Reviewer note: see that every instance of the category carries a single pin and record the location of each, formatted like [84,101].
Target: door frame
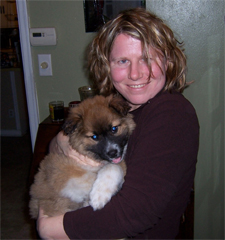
[30,87]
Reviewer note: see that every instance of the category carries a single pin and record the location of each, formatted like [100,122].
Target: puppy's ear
[68,127]
[71,123]
[119,104]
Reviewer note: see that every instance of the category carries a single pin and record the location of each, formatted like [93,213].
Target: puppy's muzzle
[114,153]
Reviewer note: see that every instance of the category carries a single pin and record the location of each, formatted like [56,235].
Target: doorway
[14,114]
[30,90]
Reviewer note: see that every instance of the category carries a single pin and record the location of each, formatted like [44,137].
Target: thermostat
[42,36]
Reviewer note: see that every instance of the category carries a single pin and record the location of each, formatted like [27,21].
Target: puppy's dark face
[100,128]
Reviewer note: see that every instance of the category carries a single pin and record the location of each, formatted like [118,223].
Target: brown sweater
[161,159]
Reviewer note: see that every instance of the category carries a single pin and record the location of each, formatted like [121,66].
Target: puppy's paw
[109,181]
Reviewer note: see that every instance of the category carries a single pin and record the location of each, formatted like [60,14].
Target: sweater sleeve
[161,160]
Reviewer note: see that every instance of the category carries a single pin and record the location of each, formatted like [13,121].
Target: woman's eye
[114,129]
[95,137]
[123,61]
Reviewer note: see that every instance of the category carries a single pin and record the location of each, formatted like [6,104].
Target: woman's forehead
[147,50]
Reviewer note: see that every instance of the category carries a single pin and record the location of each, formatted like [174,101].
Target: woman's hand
[50,228]
[60,145]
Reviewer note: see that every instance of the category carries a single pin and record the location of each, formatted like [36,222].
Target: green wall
[67,56]
[200,23]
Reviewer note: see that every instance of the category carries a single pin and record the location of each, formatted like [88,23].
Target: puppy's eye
[114,129]
[95,137]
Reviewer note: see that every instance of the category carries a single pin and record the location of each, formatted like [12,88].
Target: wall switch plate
[45,64]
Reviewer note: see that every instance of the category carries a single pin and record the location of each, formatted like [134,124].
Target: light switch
[45,64]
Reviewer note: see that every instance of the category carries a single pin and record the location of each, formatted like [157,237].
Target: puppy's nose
[112,153]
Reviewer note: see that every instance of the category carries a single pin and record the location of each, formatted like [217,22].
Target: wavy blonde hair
[152,32]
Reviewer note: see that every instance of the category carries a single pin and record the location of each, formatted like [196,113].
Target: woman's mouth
[138,86]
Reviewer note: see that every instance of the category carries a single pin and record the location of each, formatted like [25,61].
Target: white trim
[30,88]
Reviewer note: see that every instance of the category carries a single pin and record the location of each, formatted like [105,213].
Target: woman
[136,55]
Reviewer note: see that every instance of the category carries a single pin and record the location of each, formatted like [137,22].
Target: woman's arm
[51,227]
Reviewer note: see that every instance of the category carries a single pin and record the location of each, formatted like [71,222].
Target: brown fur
[91,117]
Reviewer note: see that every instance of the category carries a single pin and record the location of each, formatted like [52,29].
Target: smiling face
[130,71]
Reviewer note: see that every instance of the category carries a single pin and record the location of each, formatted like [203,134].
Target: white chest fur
[78,189]
[97,188]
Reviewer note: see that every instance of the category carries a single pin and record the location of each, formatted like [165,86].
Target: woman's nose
[135,72]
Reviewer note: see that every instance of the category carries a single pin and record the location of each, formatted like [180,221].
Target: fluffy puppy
[99,128]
